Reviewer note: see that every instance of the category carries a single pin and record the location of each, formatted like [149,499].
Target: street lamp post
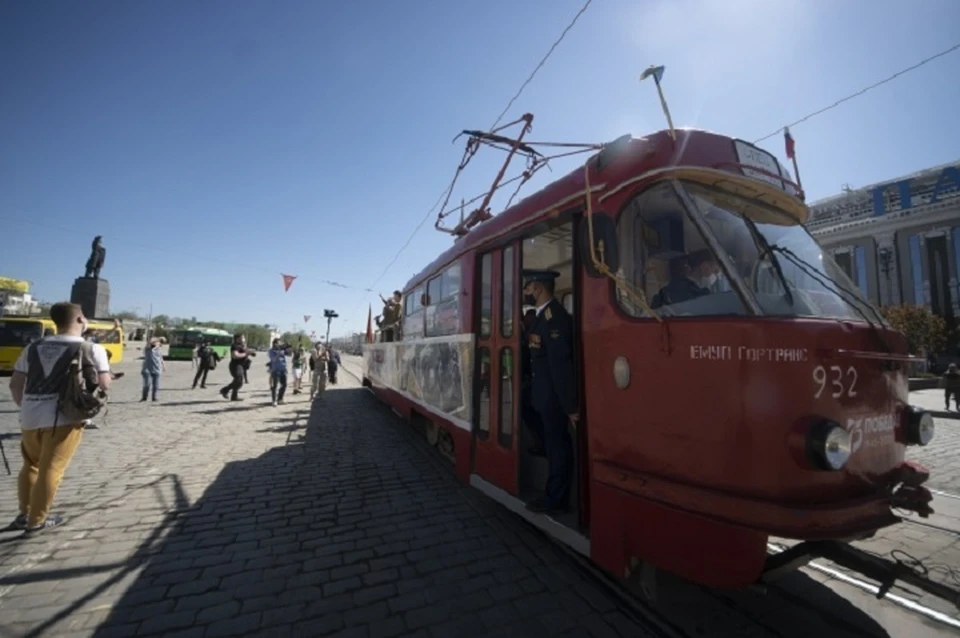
[886,262]
[329,314]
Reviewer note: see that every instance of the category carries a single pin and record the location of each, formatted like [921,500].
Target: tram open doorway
[550,247]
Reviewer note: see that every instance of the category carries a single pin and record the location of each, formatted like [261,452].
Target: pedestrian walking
[239,360]
[318,371]
[278,371]
[207,359]
[153,367]
[299,358]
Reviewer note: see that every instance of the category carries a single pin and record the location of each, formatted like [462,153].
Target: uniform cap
[539,275]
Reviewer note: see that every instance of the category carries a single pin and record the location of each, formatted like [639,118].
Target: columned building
[899,241]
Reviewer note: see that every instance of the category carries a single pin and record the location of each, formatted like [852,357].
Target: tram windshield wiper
[851,298]
[767,249]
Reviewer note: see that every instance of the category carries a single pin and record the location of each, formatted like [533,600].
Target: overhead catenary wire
[446,191]
[890,78]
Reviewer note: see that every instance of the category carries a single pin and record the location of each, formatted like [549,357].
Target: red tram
[776,405]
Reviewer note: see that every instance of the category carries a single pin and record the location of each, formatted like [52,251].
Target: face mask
[84,326]
[529,300]
[708,281]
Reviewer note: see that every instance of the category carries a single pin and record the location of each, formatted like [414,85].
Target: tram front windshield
[779,262]
[669,251]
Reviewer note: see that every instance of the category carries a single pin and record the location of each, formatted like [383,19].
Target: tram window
[434,293]
[505,429]
[567,302]
[507,295]
[664,257]
[486,294]
[483,411]
[443,297]
[413,321]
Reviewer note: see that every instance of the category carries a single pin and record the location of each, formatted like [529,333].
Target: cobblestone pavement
[198,517]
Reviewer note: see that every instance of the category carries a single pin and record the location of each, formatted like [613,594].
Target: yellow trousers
[46,454]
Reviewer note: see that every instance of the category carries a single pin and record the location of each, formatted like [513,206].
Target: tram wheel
[432,431]
[445,445]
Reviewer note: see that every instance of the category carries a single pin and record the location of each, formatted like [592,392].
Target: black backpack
[77,380]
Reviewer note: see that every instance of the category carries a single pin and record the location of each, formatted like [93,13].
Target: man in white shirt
[48,439]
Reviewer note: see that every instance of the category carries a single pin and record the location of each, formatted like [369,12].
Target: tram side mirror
[605,248]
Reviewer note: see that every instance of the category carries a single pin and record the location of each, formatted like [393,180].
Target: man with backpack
[58,382]
[207,359]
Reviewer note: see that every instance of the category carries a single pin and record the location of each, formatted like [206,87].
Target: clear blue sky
[217,144]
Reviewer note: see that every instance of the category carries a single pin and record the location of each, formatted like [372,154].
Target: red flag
[306,318]
[788,142]
[369,324]
[287,281]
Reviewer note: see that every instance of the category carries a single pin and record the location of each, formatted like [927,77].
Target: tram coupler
[883,571]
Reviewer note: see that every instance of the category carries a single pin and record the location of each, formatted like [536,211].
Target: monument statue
[97,254]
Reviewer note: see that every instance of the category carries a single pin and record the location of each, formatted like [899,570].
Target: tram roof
[627,161]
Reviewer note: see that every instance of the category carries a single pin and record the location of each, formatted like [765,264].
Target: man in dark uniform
[691,276]
[554,386]
[531,419]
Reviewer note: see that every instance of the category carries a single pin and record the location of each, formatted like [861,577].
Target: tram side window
[665,258]
[486,294]
[413,315]
[443,299]
[505,430]
[507,295]
[483,411]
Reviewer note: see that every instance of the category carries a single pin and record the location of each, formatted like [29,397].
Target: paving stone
[345,529]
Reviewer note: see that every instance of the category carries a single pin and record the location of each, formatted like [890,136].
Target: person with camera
[239,362]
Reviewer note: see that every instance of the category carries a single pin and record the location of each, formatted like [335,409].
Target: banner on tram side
[437,372]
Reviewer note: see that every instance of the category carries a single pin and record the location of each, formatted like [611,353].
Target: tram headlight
[919,426]
[828,445]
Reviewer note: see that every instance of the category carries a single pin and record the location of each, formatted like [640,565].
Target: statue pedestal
[93,296]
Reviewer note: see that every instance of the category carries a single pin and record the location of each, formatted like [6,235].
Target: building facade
[899,241]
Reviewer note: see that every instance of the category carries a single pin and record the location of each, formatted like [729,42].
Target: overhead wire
[890,78]
[446,192]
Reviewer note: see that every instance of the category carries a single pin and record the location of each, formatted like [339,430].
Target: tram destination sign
[750,157]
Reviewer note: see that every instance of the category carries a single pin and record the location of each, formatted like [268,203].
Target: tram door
[496,403]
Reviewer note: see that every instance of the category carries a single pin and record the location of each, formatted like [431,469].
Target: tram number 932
[836,381]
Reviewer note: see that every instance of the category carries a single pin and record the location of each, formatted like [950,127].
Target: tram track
[758,612]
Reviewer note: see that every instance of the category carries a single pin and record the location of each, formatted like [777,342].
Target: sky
[215,145]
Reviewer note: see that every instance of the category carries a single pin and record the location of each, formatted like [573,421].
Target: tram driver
[691,276]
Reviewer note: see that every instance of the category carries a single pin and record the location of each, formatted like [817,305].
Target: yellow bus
[17,332]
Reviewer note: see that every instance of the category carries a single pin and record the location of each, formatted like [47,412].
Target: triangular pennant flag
[287,281]
[306,318]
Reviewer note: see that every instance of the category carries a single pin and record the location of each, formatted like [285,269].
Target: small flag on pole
[287,281]
[369,324]
[788,142]
[306,318]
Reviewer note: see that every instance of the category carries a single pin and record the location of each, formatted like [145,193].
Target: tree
[297,338]
[924,330]
[161,321]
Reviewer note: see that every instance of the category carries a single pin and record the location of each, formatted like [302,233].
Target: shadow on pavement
[308,538]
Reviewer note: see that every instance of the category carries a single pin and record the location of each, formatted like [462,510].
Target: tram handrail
[601,265]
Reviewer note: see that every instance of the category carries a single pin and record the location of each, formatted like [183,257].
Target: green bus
[184,340]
